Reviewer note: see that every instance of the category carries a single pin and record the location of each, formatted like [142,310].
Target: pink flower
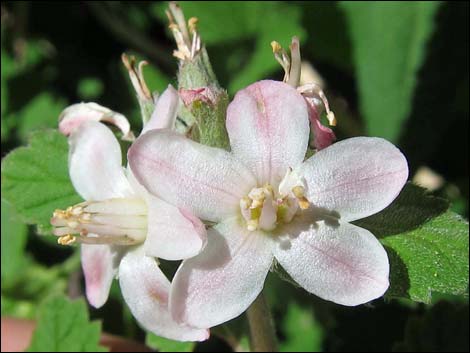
[120,226]
[268,203]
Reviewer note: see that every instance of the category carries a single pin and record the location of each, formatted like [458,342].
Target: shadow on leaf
[412,208]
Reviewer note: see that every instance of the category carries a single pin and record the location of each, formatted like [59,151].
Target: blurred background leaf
[302,331]
[389,41]
[36,179]
[165,345]
[14,235]
[64,327]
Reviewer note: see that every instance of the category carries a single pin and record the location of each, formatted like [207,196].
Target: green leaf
[90,88]
[427,246]
[432,258]
[42,112]
[35,179]
[19,308]
[389,41]
[14,235]
[64,326]
[165,345]
[331,47]
[35,284]
[303,333]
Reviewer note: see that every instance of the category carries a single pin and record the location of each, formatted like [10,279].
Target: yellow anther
[246,202]
[276,47]
[58,214]
[192,24]
[66,239]
[331,118]
[303,203]
[299,192]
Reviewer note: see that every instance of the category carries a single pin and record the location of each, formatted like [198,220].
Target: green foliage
[380,47]
[14,234]
[389,42]
[35,179]
[302,332]
[63,326]
[42,112]
[427,247]
[433,258]
[90,88]
[165,345]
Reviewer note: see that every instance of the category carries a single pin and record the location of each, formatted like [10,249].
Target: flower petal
[164,114]
[221,282]
[342,263]
[322,136]
[356,177]
[95,163]
[77,114]
[99,269]
[267,123]
[172,234]
[209,182]
[145,290]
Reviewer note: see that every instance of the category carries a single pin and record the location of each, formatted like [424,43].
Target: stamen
[314,92]
[282,58]
[295,67]
[113,221]
[192,24]
[299,192]
[186,37]
[66,239]
[137,77]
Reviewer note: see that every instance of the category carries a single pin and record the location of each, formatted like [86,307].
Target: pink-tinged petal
[98,264]
[77,114]
[322,135]
[220,283]
[172,234]
[207,95]
[267,123]
[145,290]
[95,163]
[342,263]
[207,181]
[356,177]
[164,114]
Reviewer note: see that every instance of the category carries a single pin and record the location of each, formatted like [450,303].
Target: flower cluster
[230,216]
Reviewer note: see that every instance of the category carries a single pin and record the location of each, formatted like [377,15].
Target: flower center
[120,221]
[265,209]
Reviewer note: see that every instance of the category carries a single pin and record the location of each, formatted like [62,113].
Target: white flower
[269,203]
[120,226]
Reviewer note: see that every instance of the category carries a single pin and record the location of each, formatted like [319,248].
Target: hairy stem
[262,331]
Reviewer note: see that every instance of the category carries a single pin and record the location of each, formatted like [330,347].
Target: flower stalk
[262,330]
